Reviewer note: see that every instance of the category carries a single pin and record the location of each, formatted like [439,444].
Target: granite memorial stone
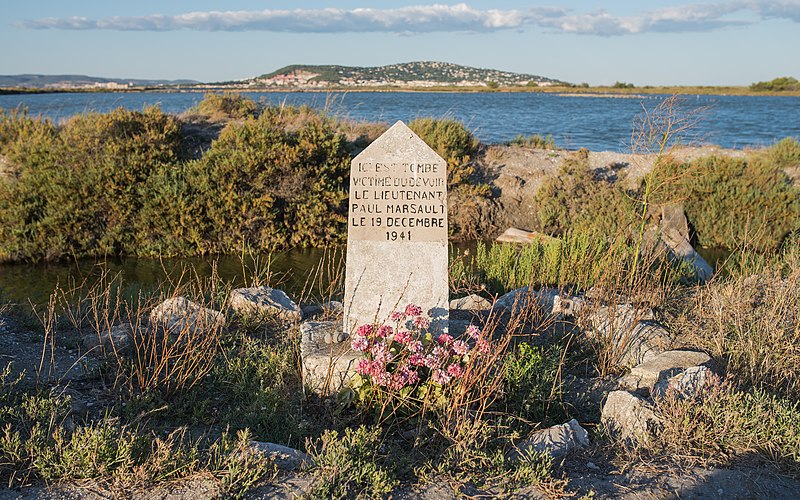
[397,231]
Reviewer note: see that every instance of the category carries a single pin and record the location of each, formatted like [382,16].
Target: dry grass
[750,324]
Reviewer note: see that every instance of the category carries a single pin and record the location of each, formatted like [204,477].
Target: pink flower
[483,346]
[460,347]
[455,370]
[417,360]
[397,316]
[413,310]
[383,378]
[431,361]
[403,337]
[364,367]
[440,353]
[421,323]
[440,377]
[444,339]
[474,332]
[364,330]
[416,347]
[385,331]
[359,343]
[380,353]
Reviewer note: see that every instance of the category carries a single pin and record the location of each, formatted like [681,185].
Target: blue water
[597,123]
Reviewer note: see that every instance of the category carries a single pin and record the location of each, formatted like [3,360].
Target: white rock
[117,339]
[689,383]
[521,299]
[629,416]
[472,302]
[557,440]
[179,314]
[266,301]
[662,367]
[285,458]
[327,367]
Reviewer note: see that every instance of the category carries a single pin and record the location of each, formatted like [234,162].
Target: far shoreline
[635,92]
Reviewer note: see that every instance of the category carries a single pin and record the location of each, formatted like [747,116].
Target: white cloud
[444,18]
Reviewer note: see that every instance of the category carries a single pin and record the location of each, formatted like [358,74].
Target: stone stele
[397,231]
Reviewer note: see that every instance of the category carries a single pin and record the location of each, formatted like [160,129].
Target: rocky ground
[587,468]
[516,173]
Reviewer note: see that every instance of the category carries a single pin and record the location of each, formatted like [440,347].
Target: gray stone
[628,416]
[688,384]
[557,440]
[568,307]
[265,301]
[333,306]
[674,233]
[179,315]
[116,340]
[397,231]
[330,331]
[327,367]
[522,299]
[661,368]
[285,458]
[634,339]
[472,302]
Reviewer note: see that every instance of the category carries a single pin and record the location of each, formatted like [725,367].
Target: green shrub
[350,465]
[576,200]
[79,193]
[535,141]
[453,142]
[532,383]
[274,187]
[726,424]
[779,84]
[227,106]
[734,201]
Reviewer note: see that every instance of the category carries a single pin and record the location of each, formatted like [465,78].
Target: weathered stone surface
[397,231]
[661,368]
[284,457]
[266,301]
[628,415]
[472,302]
[326,366]
[674,233]
[330,331]
[557,440]
[568,307]
[688,383]
[117,339]
[179,314]
[515,235]
[634,340]
[521,299]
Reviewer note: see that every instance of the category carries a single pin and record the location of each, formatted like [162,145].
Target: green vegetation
[578,199]
[188,403]
[535,141]
[780,84]
[732,201]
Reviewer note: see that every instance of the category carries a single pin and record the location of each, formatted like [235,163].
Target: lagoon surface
[574,121]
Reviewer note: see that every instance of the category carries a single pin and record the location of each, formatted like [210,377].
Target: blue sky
[645,42]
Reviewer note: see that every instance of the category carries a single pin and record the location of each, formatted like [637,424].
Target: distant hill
[413,74]
[80,82]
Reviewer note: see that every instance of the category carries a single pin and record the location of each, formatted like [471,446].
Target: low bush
[226,106]
[577,200]
[535,141]
[735,201]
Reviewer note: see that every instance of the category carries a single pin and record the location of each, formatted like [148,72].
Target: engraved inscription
[398,201]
